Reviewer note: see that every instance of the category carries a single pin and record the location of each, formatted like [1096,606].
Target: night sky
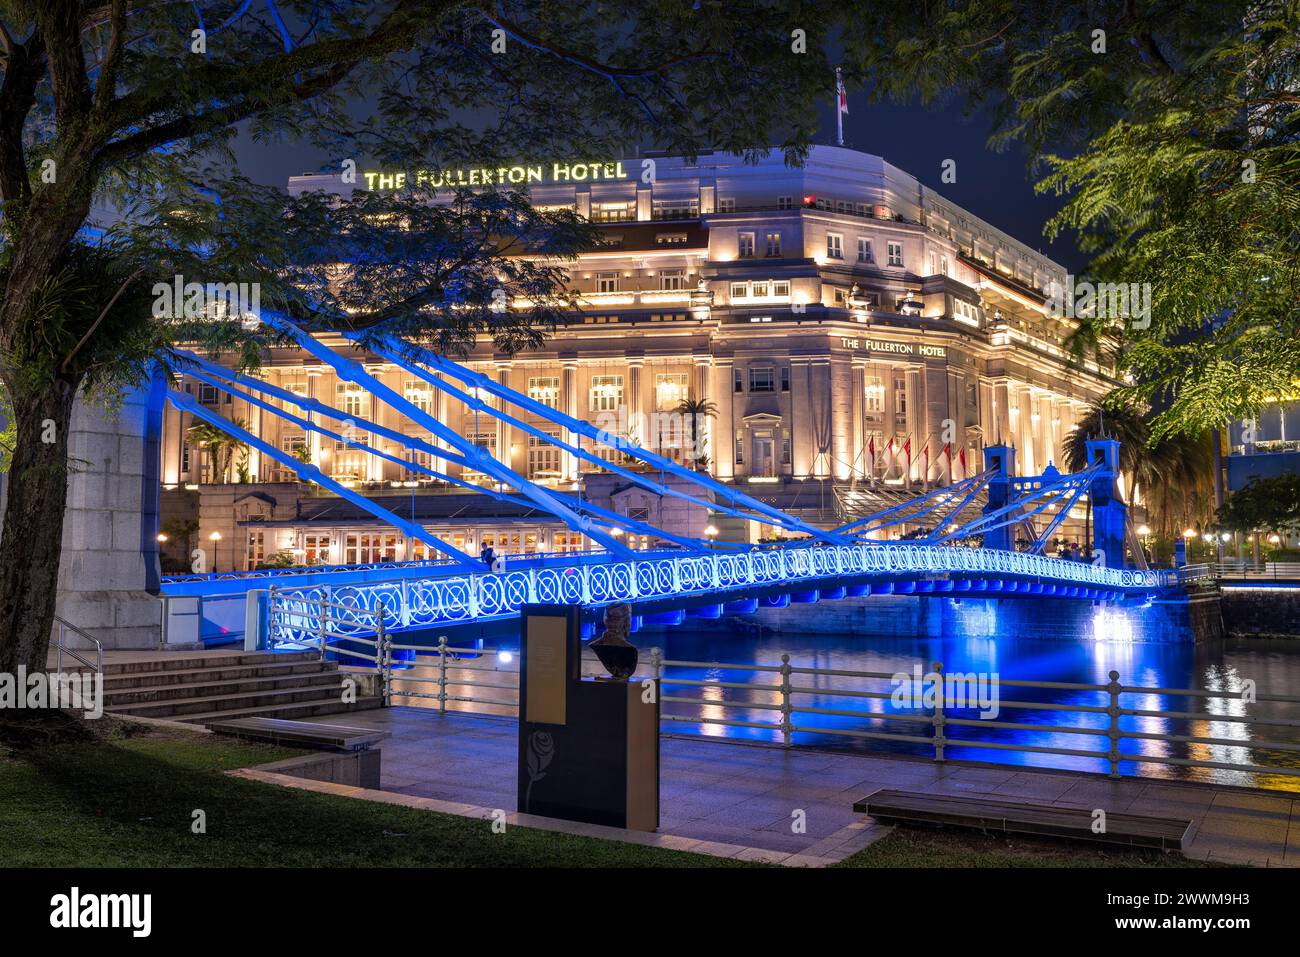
[994,186]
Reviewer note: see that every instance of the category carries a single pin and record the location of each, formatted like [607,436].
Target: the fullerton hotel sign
[895,348]
[499,175]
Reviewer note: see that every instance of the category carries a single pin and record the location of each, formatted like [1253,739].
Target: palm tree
[694,410]
[1174,475]
[219,444]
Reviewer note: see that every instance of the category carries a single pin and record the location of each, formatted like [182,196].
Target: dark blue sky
[994,186]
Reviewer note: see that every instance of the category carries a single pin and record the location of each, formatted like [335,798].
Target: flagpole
[839,106]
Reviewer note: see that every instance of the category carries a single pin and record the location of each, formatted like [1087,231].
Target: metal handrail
[781,700]
[1239,570]
[60,644]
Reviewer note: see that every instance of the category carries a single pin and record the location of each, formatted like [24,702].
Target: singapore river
[1272,664]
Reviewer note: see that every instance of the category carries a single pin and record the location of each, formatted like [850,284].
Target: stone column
[858,417]
[723,454]
[916,424]
[704,392]
[801,400]
[569,404]
[108,576]
[846,418]
[505,434]
[637,423]
[315,383]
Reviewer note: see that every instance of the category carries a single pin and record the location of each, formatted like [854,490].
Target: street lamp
[162,537]
[710,531]
[215,537]
[1144,530]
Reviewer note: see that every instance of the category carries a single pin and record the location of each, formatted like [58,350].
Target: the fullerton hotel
[851,328]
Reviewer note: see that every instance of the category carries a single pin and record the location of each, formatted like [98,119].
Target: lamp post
[711,532]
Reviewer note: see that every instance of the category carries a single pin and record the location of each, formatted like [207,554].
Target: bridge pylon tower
[1001,461]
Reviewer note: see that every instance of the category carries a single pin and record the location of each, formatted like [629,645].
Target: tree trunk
[32,541]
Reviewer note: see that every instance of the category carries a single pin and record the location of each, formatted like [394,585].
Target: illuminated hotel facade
[851,328]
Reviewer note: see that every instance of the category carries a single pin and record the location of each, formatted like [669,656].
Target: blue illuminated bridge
[961,540]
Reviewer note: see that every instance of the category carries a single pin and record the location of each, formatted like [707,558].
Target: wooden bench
[306,734]
[1039,820]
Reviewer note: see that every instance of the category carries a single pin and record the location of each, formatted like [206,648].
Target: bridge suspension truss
[948,514]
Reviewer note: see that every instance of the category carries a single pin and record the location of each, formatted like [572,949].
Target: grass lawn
[128,800]
[934,847]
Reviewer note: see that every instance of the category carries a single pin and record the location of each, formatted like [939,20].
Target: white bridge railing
[404,603]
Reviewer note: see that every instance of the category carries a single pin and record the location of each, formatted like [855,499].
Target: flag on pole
[907,457]
[871,455]
[947,450]
[841,106]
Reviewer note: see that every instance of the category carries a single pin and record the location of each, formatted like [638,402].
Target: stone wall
[108,578]
[1261,610]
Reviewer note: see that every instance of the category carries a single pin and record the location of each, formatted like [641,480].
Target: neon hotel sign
[498,175]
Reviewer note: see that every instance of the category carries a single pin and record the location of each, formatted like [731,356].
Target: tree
[219,445]
[1268,504]
[695,411]
[1174,474]
[1171,128]
[135,104]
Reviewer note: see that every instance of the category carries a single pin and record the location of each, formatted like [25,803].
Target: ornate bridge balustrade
[416,603]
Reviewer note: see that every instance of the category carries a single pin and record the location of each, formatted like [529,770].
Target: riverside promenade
[741,800]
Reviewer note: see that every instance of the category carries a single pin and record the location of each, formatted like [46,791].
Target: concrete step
[122,697]
[180,662]
[148,679]
[301,709]
[180,707]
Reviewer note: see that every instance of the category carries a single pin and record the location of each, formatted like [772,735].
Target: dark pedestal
[588,748]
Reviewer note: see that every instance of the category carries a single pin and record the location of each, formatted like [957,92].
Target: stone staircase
[199,690]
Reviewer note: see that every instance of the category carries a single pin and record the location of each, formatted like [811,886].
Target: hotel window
[842,206]
[963,311]
[612,212]
[780,289]
[834,246]
[875,394]
[738,382]
[785,378]
[185,457]
[745,243]
[256,550]
[900,397]
[774,244]
[545,389]
[606,393]
[861,209]
[932,263]
[365,548]
[419,394]
[864,250]
[606,282]
[315,549]
[739,290]
[566,541]
[668,317]
[895,254]
[670,389]
[760,290]
[943,265]
[543,457]
[672,279]
[785,447]
[207,394]
[785,202]
[740,448]
[727,204]
[599,320]
[353,400]
[670,239]
[762,379]
[677,209]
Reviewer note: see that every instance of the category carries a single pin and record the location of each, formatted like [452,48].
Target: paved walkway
[740,800]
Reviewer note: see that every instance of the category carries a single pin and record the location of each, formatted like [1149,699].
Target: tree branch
[108,69]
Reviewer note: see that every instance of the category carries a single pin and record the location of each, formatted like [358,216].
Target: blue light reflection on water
[1273,664]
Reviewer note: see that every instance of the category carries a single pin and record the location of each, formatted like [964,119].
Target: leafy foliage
[1272,504]
[1172,130]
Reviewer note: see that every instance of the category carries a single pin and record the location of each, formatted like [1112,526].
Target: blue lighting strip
[352,371]
[310,472]
[610,519]
[480,381]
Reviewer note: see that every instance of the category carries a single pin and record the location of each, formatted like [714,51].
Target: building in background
[858,336]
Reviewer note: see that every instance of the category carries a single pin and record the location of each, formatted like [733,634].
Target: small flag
[840,93]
